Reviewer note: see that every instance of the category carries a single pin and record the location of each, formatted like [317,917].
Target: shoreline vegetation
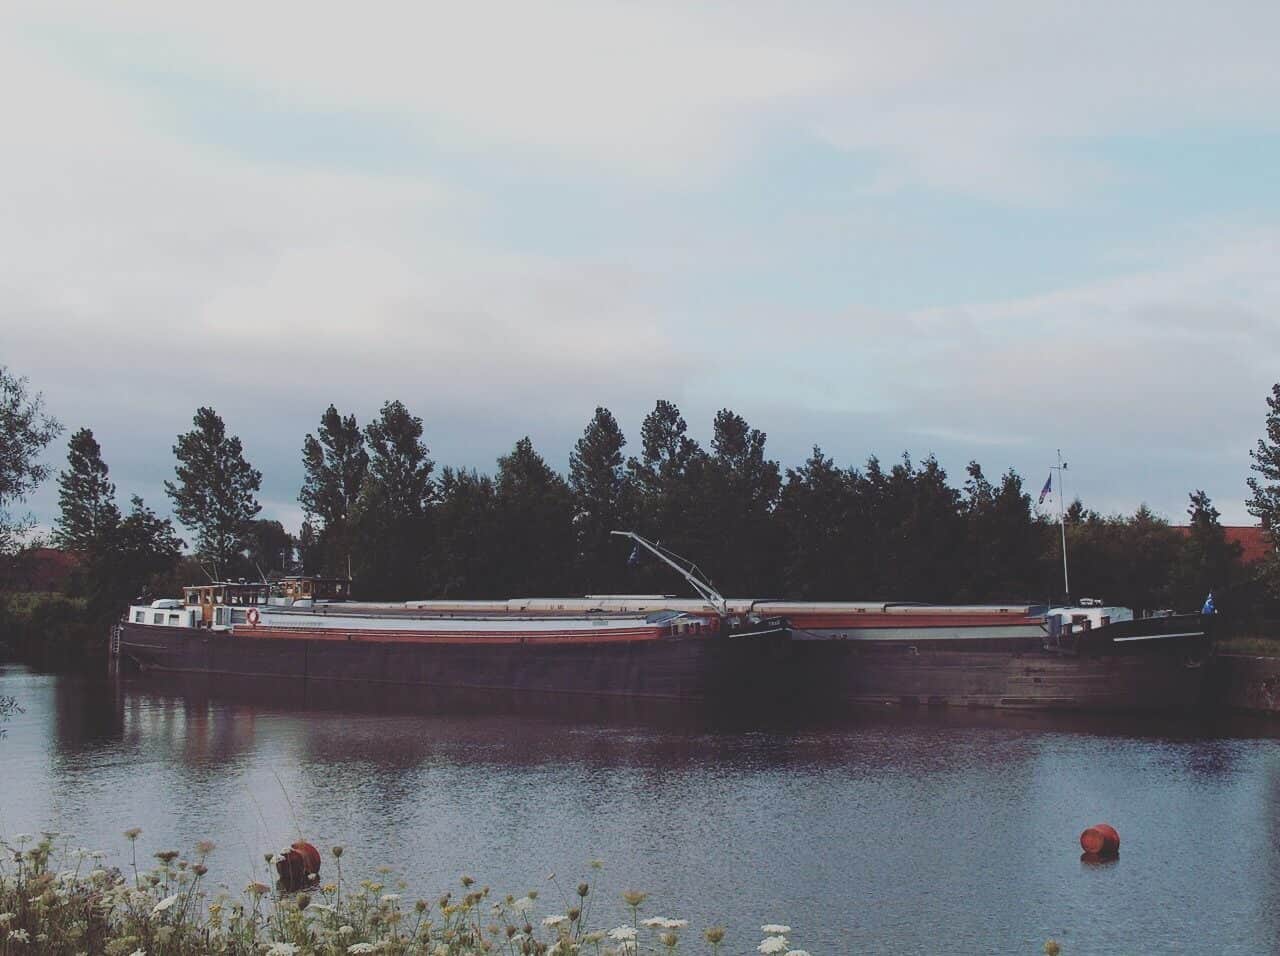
[378,510]
[59,899]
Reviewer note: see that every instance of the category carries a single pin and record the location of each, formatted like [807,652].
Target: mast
[1062,522]
[704,588]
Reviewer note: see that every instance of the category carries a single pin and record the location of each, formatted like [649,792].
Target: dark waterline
[886,832]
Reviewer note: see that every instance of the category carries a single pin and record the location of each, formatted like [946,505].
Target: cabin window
[220,615]
[173,620]
[139,617]
[238,616]
[157,618]
[191,619]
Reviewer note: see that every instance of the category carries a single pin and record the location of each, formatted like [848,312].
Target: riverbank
[1245,682]
[49,629]
[57,899]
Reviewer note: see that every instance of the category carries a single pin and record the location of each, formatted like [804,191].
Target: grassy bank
[50,629]
[60,900]
[1251,644]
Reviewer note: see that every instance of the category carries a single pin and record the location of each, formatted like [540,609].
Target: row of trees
[377,508]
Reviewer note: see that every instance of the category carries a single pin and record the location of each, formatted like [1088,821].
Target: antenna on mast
[691,573]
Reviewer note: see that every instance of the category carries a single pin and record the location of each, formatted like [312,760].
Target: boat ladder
[114,640]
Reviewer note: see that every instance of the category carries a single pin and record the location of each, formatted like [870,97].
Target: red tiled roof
[1254,542]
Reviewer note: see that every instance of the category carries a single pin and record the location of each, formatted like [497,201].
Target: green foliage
[86,497]
[270,547]
[467,537]
[1264,500]
[25,431]
[335,465]
[391,517]
[601,502]
[1208,561]
[49,629]
[215,494]
[127,562]
[535,513]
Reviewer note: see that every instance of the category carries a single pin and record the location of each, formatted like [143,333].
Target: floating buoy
[299,865]
[1101,840]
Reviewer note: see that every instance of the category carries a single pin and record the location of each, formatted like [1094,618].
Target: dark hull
[1125,669]
[686,669]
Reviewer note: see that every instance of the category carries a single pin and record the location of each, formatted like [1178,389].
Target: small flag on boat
[634,559]
[1048,484]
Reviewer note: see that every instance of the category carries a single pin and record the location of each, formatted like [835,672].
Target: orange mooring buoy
[1101,840]
[299,865]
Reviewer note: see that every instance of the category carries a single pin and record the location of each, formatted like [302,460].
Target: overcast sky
[981,230]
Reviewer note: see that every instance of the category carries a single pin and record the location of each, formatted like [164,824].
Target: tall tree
[737,497]
[467,539]
[127,560]
[601,501]
[335,465]
[1208,562]
[535,513]
[816,510]
[665,477]
[86,496]
[1264,500]
[25,431]
[215,494]
[391,516]
[270,547]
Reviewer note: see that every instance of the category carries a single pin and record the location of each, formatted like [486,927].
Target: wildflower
[634,898]
[345,930]
[622,933]
[467,881]
[669,940]
[674,923]
[775,929]
[1051,947]
[596,864]
[554,920]
[199,869]
[205,847]
[653,922]
[713,935]
[166,856]
[594,936]
[164,904]
[6,918]
[797,952]
[421,906]
[773,944]
[337,852]
[257,889]
[360,948]
[19,935]
[523,905]
[282,949]
[583,890]
[302,900]
[139,952]
[390,897]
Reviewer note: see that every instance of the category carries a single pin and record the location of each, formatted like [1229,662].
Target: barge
[305,629]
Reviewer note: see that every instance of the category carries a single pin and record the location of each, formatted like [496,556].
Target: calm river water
[884,833]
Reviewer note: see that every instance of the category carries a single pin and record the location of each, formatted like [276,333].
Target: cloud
[157,259]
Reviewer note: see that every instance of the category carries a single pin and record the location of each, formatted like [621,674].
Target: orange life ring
[253,617]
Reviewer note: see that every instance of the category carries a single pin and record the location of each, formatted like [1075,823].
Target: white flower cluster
[661,922]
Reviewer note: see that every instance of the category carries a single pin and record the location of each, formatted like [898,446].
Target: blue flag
[1209,607]
[1048,484]
[635,556]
